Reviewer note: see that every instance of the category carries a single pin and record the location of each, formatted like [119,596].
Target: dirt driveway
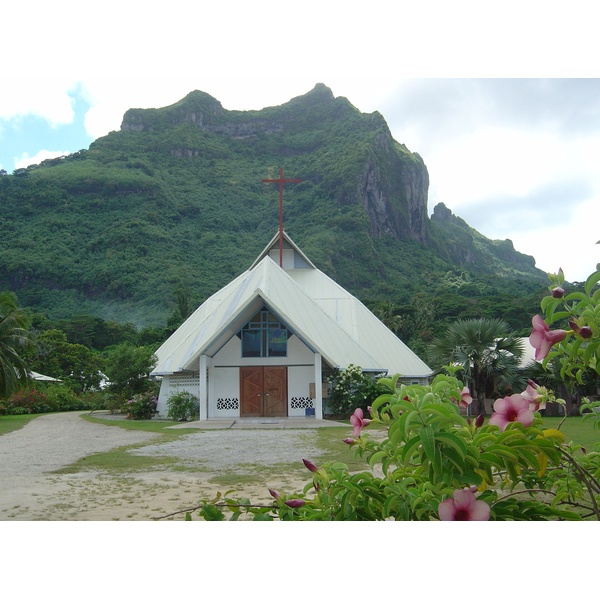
[31,491]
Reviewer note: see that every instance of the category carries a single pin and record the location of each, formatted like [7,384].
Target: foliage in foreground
[434,463]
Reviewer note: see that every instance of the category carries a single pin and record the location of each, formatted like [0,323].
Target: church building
[263,346]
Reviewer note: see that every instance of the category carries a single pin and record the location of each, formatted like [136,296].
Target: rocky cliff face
[393,189]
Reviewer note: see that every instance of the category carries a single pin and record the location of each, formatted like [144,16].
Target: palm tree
[386,312]
[15,339]
[487,351]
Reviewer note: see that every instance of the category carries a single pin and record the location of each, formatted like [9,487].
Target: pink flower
[463,507]
[310,465]
[510,409]
[295,503]
[536,402]
[358,422]
[465,397]
[542,339]
[585,332]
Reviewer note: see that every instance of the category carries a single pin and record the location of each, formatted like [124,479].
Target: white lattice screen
[189,381]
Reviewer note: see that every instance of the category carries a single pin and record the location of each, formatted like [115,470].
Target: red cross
[281,181]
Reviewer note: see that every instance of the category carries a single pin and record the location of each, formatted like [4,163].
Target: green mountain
[174,204]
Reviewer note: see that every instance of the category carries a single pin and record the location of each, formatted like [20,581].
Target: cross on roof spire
[281,181]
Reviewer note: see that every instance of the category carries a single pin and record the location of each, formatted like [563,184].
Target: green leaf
[428,440]
[592,280]
[409,448]
[262,517]
[503,452]
[454,441]
[377,457]
[576,296]
[454,457]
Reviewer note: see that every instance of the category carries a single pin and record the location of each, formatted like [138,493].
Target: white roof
[39,377]
[321,313]
[528,354]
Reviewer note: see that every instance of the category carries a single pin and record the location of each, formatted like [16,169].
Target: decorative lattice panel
[302,403]
[185,380]
[228,404]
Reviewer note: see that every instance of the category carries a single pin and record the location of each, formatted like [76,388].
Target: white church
[262,346]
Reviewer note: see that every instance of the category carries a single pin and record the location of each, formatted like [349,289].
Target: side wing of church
[262,346]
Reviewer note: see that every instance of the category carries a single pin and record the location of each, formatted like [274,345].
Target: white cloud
[25,160]
[50,99]
[570,245]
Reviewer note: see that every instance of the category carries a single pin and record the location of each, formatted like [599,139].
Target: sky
[504,107]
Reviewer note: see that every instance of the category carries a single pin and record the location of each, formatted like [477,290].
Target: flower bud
[310,465]
[558,292]
[349,441]
[479,420]
[585,332]
[295,503]
[273,493]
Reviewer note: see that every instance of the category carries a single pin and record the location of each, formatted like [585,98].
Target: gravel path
[31,490]
[56,440]
[235,447]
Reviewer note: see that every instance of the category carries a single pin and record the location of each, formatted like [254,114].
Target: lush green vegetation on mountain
[173,206]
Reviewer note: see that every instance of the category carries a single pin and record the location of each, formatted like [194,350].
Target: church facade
[262,346]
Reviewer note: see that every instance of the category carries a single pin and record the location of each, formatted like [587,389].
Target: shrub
[350,388]
[114,403]
[183,406]
[32,401]
[141,406]
[63,398]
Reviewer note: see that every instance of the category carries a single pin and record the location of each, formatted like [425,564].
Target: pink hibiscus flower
[358,422]
[463,507]
[510,409]
[542,339]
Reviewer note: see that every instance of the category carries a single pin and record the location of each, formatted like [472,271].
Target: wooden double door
[263,391]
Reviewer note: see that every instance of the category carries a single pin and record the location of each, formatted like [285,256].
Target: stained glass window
[264,336]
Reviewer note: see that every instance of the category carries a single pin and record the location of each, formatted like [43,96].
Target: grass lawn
[576,429]
[10,423]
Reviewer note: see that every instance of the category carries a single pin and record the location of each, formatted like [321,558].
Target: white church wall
[299,380]
[172,384]
[223,392]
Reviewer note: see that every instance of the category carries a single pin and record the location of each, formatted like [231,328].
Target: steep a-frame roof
[321,313]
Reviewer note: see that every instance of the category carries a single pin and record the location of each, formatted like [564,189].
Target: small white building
[262,346]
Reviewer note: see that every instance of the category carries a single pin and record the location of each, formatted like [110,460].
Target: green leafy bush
[183,406]
[141,406]
[31,400]
[52,398]
[349,389]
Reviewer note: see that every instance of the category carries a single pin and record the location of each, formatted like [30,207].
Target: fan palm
[15,339]
[487,351]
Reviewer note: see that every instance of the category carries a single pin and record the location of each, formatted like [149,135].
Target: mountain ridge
[174,200]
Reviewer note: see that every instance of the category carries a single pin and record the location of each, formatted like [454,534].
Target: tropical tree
[487,351]
[75,364]
[386,312]
[15,340]
[127,368]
